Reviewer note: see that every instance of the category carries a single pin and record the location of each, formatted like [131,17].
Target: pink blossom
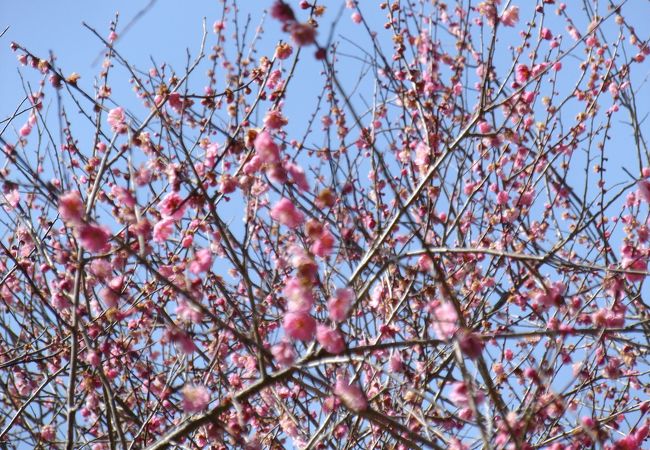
[13,198]
[460,395]
[395,362]
[163,229]
[338,306]
[282,12]
[350,394]
[445,321]
[470,344]
[283,353]
[552,296]
[218,26]
[488,10]
[299,296]
[331,339]
[298,176]
[253,165]
[303,263]
[484,127]
[48,433]
[502,198]
[94,238]
[575,34]
[644,190]
[546,34]
[356,17]
[323,244]
[528,97]
[299,325]
[628,443]
[286,213]
[183,342]
[303,33]
[93,358]
[123,196]
[283,50]
[111,293]
[101,268]
[510,16]
[116,119]
[422,155]
[273,120]
[202,261]
[195,398]
[59,301]
[266,149]
[172,206]
[188,312]
[456,444]
[25,130]
[635,263]
[522,73]
[71,208]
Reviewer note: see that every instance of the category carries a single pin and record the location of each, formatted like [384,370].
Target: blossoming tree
[447,251]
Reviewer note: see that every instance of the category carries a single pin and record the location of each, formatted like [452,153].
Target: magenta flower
[299,296]
[111,293]
[94,238]
[510,16]
[522,73]
[470,344]
[644,190]
[445,321]
[282,12]
[266,149]
[299,325]
[195,398]
[460,395]
[25,130]
[273,120]
[302,33]
[286,213]
[283,353]
[172,206]
[298,176]
[116,119]
[634,263]
[202,261]
[350,394]
[71,208]
[331,339]
[338,306]
[163,229]
[323,244]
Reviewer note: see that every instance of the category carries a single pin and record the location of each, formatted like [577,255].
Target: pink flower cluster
[301,33]
[460,395]
[350,394]
[322,237]
[195,398]
[117,120]
[445,320]
[634,259]
[287,214]
[92,237]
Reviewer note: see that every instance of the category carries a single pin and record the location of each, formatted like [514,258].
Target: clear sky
[165,33]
